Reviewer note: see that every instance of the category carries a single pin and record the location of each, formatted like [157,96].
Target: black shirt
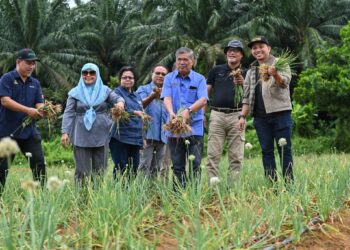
[223,87]
[259,106]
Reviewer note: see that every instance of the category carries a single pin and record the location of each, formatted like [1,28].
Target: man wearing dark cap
[21,96]
[267,100]
[225,86]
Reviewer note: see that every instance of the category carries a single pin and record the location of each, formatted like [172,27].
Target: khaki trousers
[166,164]
[225,126]
[152,157]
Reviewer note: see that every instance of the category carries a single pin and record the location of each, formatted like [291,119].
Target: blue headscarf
[95,97]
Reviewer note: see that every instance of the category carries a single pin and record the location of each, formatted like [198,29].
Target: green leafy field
[144,214]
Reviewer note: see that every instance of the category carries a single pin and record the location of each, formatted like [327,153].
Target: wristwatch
[189,110]
[241,116]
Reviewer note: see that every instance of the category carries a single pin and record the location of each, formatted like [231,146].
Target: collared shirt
[158,113]
[130,131]
[223,87]
[27,93]
[276,98]
[185,91]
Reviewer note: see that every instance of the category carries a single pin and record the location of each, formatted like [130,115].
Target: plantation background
[147,214]
[113,33]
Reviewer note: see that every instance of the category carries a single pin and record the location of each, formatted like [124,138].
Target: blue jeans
[179,152]
[269,130]
[124,154]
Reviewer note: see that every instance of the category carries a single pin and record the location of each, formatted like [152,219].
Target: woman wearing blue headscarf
[86,122]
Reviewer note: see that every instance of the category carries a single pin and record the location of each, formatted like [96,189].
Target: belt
[226,110]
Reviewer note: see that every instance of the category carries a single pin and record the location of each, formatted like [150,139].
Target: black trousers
[37,161]
[179,151]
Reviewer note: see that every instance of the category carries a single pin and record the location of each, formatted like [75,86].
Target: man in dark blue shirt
[21,96]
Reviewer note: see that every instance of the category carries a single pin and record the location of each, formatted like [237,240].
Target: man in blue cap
[21,96]
[225,86]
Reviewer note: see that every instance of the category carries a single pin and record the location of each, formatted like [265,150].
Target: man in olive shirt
[225,86]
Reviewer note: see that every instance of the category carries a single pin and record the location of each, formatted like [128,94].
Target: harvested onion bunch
[283,64]
[146,121]
[238,87]
[49,111]
[118,115]
[286,62]
[178,125]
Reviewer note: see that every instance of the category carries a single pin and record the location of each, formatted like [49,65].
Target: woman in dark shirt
[126,140]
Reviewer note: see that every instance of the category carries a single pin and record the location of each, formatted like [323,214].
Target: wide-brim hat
[234,44]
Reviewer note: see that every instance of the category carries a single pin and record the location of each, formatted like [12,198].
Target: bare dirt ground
[333,234]
[167,243]
[330,235]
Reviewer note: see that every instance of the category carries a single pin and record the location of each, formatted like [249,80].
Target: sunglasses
[127,77]
[87,72]
[159,73]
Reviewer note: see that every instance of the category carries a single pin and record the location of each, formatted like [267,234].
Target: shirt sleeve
[142,92]
[166,90]
[6,86]
[246,88]
[211,77]
[202,88]
[114,98]
[287,76]
[69,116]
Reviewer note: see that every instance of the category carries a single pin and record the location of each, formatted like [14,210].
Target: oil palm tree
[104,33]
[40,25]
[203,25]
[299,25]
[312,23]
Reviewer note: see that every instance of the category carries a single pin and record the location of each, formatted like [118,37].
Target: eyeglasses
[87,72]
[127,77]
[159,73]
[234,50]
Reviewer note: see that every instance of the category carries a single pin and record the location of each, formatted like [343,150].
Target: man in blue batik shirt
[185,89]
[21,96]
[153,152]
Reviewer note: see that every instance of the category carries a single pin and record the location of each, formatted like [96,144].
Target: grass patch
[144,214]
